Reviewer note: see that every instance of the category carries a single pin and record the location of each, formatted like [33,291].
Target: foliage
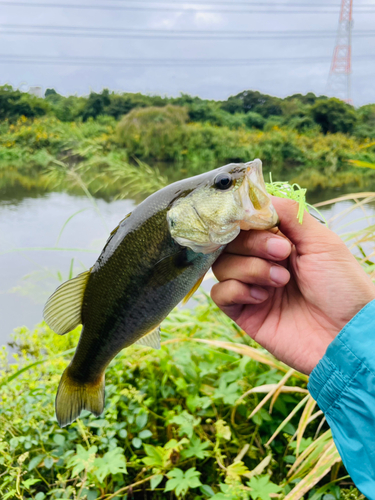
[14,104]
[155,133]
[254,101]
[175,420]
[334,116]
[98,132]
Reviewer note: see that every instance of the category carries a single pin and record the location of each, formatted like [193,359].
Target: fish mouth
[259,213]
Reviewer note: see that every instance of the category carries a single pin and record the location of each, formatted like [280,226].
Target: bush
[254,120]
[158,133]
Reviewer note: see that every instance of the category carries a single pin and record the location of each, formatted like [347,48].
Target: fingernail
[258,293]
[279,275]
[278,247]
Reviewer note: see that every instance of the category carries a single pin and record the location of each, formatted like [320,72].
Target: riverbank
[48,155]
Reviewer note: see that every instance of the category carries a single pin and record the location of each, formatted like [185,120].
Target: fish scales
[151,261]
[141,294]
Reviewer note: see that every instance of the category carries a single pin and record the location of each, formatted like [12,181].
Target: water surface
[39,245]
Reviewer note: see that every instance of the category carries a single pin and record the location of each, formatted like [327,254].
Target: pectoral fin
[151,339]
[62,312]
[193,290]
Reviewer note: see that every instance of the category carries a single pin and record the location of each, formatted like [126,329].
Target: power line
[235,2]
[274,5]
[92,32]
[132,62]
[171,8]
[176,31]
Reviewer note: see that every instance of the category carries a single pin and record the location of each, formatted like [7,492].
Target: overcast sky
[263,64]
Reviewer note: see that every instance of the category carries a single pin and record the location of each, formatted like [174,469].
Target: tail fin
[73,397]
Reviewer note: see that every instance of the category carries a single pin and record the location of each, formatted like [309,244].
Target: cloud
[207,18]
[275,75]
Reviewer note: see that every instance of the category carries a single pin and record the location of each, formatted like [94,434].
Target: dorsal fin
[62,311]
[151,339]
[119,224]
[193,290]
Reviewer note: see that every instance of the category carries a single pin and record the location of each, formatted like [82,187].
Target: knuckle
[256,266]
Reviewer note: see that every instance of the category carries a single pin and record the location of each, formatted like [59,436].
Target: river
[45,236]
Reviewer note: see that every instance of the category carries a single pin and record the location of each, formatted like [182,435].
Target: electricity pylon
[339,76]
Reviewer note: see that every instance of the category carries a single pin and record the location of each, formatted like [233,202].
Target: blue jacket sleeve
[343,384]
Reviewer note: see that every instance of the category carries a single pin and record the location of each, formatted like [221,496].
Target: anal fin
[151,339]
[193,290]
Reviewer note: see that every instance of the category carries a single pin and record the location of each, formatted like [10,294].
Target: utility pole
[338,83]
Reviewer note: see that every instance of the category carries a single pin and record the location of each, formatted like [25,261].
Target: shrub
[153,132]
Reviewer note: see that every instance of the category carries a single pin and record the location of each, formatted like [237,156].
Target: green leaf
[207,490]
[261,487]
[180,482]
[194,402]
[40,496]
[305,443]
[362,164]
[197,448]
[98,423]
[186,423]
[141,420]
[113,462]
[34,462]
[59,439]
[222,430]
[173,444]
[145,434]
[228,393]
[192,476]
[123,433]
[84,459]
[29,482]
[156,456]
[48,462]
[320,494]
[136,442]
[156,480]
[236,470]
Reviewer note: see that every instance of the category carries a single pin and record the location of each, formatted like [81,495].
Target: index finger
[263,244]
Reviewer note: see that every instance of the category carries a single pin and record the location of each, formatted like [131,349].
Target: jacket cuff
[352,349]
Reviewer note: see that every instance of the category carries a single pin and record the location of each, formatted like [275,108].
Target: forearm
[343,384]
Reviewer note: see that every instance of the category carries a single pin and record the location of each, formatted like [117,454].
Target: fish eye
[223,181]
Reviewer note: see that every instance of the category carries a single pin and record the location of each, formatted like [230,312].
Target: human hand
[295,307]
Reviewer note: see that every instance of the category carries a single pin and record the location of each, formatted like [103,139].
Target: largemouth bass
[157,255]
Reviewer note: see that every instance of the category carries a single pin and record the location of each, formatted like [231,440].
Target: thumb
[305,236]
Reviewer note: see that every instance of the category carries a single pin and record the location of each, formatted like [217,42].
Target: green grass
[210,415]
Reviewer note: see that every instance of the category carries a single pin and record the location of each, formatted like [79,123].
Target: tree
[95,104]
[252,100]
[334,116]
[50,92]
[14,104]
[254,120]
